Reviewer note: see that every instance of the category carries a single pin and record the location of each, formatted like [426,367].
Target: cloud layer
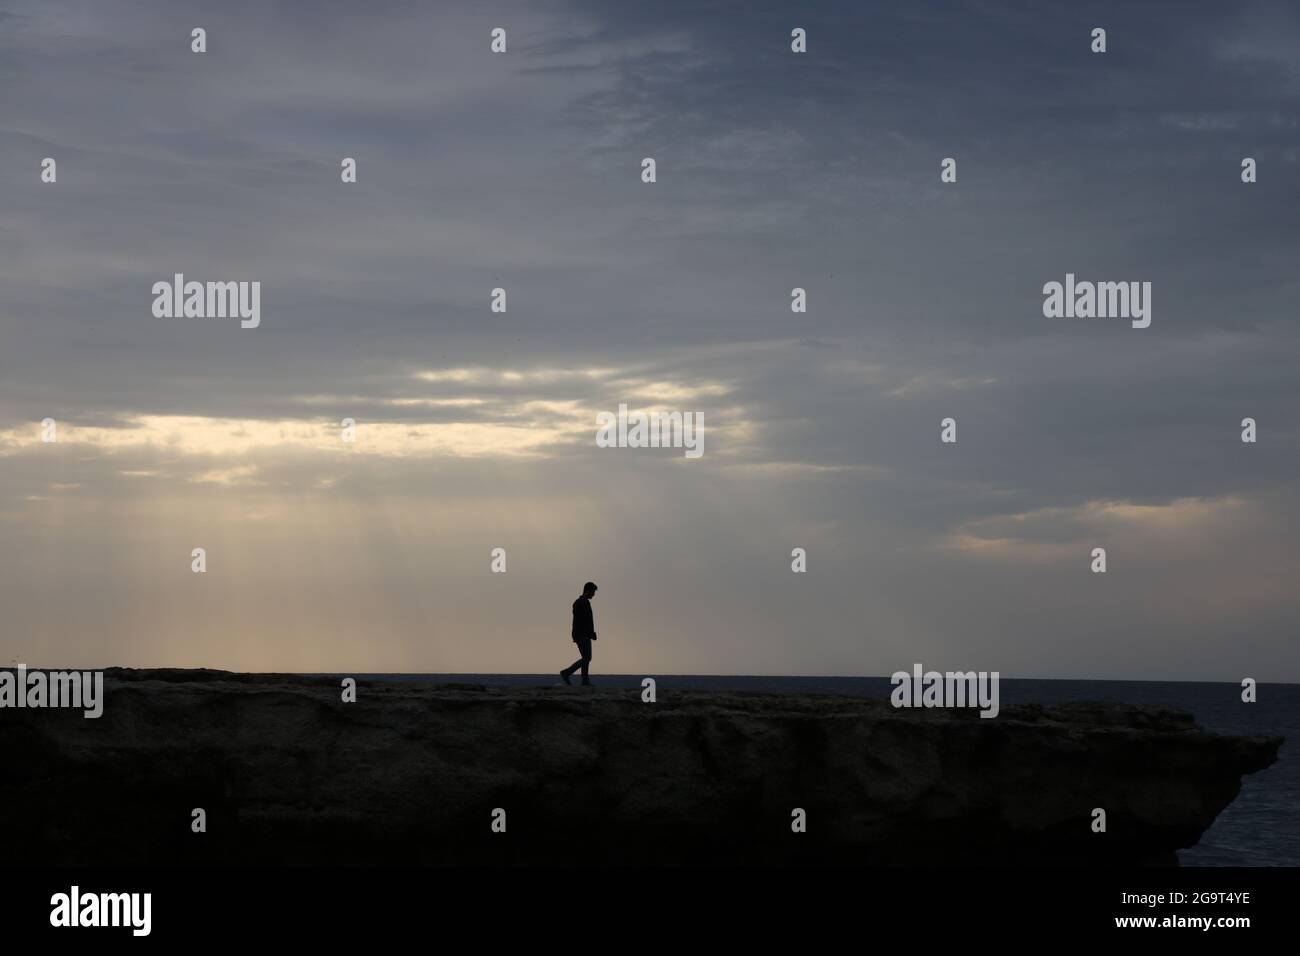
[476,429]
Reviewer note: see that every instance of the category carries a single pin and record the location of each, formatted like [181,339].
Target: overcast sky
[476,430]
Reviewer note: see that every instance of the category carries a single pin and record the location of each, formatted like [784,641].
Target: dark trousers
[584,648]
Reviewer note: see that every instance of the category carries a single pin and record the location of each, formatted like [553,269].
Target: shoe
[565,675]
[585,682]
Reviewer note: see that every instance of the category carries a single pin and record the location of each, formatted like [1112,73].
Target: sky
[476,429]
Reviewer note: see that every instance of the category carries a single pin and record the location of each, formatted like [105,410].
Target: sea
[1260,828]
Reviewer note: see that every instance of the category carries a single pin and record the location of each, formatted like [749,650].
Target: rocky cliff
[288,773]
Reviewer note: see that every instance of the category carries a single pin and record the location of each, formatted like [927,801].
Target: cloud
[476,429]
[1069,533]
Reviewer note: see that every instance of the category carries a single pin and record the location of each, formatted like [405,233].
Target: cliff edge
[411,773]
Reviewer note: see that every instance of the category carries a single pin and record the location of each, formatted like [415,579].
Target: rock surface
[411,773]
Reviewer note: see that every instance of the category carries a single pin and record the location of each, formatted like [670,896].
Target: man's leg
[584,647]
[576,664]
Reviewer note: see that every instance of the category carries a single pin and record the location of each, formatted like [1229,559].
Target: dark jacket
[583,625]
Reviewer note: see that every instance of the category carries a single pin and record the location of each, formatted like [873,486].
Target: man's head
[589,590]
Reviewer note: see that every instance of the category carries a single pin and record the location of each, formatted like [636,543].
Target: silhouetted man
[584,632]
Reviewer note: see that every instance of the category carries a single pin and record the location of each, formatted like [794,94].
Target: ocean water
[1260,828]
